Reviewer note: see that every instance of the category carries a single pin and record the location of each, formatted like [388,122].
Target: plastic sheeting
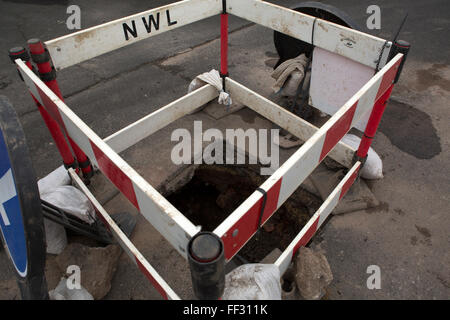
[253,282]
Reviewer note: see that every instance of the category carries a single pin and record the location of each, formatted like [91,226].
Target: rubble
[313,273]
[97,266]
[358,197]
[9,290]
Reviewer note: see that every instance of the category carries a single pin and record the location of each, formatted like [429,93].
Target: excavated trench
[215,191]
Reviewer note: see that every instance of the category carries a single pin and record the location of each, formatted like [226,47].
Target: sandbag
[62,292]
[72,201]
[253,282]
[373,168]
[56,178]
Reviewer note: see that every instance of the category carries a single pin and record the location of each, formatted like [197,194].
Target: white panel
[356,45]
[92,42]
[135,132]
[334,80]
[278,18]
[353,44]
[30,84]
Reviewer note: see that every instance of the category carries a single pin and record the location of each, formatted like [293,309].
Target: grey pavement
[407,236]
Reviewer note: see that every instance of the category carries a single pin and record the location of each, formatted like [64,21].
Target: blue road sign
[11,221]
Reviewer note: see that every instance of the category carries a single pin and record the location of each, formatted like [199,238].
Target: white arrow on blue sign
[11,222]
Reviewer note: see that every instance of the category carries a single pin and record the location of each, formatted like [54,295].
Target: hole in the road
[215,191]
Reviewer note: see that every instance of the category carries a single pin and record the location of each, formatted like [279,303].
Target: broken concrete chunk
[358,197]
[313,273]
[9,290]
[97,266]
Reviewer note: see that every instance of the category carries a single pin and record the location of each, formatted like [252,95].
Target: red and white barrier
[242,224]
[318,218]
[152,275]
[89,43]
[353,44]
[174,226]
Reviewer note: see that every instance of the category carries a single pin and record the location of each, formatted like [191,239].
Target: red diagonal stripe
[348,183]
[337,131]
[248,223]
[152,280]
[306,237]
[113,173]
[387,79]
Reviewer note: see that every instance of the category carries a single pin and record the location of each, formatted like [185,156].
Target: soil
[215,191]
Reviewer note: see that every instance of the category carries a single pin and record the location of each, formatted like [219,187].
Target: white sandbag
[55,237]
[253,282]
[373,168]
[56,178]
[72,201]
[62,292]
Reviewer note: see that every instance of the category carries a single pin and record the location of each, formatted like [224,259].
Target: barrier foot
[207,263]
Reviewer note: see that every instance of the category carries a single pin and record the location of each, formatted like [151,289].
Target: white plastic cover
[62,292]
[253,282]
[334,80]
[373,168]
[72,201]
[56,178]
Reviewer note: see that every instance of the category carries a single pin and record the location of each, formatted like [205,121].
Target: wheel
[289,47]
[21,220]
